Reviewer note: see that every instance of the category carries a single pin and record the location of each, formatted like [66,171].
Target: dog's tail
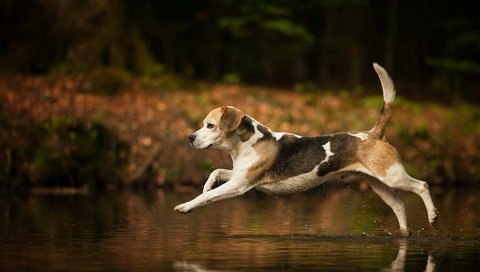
[378,129]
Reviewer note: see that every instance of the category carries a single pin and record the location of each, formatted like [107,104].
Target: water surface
[340,229]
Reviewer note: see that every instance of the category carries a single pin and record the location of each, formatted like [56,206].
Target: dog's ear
[231,119]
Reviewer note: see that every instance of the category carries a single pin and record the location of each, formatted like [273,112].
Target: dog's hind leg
[421,188]
[398,178]
[388,195]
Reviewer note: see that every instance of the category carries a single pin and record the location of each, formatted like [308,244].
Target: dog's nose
[192,137]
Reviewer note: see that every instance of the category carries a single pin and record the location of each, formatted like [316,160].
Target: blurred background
[100,94]
[97,98]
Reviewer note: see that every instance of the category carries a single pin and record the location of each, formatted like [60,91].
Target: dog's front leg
[234,187]
[216,176]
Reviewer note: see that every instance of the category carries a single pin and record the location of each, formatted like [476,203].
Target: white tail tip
[387,84]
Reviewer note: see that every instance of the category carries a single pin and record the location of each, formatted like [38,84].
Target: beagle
[284,163]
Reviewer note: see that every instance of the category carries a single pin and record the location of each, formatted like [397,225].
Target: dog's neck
[245,136]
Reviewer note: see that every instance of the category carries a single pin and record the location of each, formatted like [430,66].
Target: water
[338,230]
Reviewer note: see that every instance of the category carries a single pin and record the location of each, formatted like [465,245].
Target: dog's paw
[405,233]
[183,208]
[433,217]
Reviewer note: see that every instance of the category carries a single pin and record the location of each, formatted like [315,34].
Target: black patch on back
[343,146]
[266,133]
[298,155]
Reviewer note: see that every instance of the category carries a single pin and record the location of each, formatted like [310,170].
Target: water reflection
[397,265]
[327,230]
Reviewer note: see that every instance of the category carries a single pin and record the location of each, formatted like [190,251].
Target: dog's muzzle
[192,138]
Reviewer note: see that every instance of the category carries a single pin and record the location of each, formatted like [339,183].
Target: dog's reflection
[397,265]
[189,267]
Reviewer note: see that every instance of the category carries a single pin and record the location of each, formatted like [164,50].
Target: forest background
[102,94]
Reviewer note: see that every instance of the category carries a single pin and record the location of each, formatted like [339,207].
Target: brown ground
[156,122]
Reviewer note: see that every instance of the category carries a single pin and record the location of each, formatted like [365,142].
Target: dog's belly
[296,184]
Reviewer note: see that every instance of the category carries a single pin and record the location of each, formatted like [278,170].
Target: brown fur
[267,152]
[215,115]
[377,155]
[378,130]
[230,119]
[245,136]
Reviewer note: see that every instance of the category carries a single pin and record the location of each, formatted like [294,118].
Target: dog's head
[218,127]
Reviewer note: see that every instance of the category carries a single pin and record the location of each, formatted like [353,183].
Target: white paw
[183,208]
[433,217]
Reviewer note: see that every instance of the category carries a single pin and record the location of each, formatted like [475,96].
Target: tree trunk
[391,37]
[326,44]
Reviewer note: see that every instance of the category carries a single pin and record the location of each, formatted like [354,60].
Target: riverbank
[56,131]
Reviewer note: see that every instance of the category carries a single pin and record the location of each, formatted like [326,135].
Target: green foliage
[75,153]
[451,73]
[455,66]
[206,165]
[471,118]
[373,102]
[69,68]
[106,81]
[329,42]
[152,72]
[159,81]
[288,28]
[231,78]
[234,25]
[18,139]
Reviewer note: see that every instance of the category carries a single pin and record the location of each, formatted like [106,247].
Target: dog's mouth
[207,147]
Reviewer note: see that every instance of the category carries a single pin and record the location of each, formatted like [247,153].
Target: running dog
[284,163]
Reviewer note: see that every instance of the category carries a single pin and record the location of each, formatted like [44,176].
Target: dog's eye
[210,125]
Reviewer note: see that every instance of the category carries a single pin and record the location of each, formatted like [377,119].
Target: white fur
[361,135]
[300,183]
[387,83]
[328,152]
[397,177]
[206,137]
[279,135]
